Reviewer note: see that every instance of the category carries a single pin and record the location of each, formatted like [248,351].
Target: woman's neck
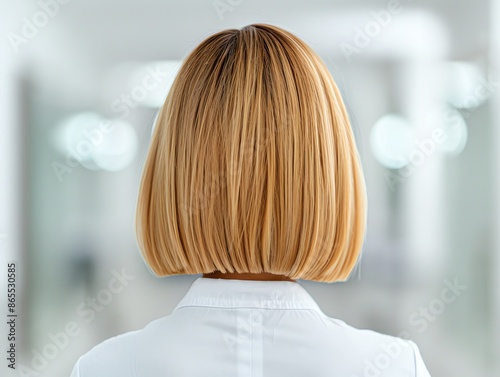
[246,276]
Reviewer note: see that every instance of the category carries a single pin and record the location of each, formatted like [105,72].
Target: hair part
[252,166]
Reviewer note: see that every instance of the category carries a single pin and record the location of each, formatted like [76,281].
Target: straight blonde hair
[252,165]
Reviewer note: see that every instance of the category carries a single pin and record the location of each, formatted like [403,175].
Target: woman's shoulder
[111,357]
[380,354]
[114,356]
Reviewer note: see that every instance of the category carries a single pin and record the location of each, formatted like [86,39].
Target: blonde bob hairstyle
[252,166]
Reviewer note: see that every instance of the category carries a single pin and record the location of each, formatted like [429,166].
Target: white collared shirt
[250,328]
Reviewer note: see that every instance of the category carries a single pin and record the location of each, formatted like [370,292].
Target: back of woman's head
[252,165]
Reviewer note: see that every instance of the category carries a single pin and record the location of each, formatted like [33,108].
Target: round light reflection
[95,142]
[455,131]
[464,85]
[119,149]
[391,141]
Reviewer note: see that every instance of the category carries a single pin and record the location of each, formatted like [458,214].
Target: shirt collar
[232,293]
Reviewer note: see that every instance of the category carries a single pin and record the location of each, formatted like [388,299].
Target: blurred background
[81,84]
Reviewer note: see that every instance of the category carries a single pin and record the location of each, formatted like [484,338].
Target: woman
[253,180]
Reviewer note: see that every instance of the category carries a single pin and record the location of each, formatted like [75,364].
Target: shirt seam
[251,351]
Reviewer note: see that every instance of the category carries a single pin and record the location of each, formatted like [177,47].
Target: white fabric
[250,328]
